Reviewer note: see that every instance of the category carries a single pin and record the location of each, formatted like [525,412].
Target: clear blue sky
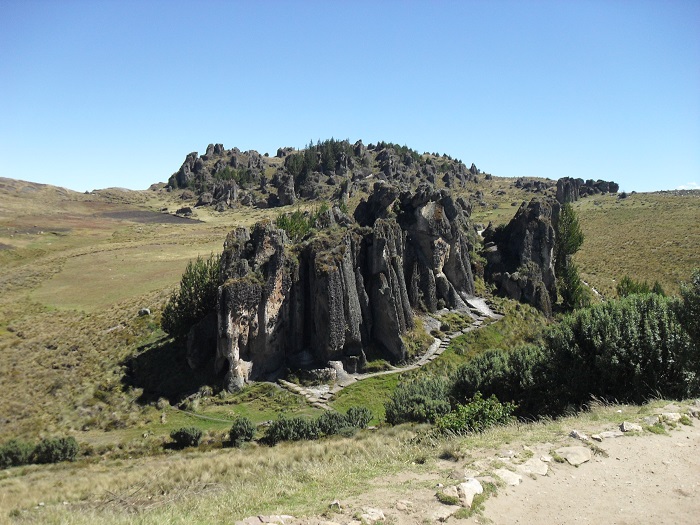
[97,93]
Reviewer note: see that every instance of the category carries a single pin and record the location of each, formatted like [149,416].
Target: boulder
[522,263]
[575,455]
[285,191]
[340,292]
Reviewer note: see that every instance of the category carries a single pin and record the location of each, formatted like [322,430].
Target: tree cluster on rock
[226,178]
[343,288]
[571,190]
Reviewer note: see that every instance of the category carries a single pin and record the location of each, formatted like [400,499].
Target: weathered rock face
[520,257]
[347,289]
[570,190]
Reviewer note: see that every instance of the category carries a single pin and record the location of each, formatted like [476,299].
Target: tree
[195,298]
[628,286]
[569,239]
[689,308]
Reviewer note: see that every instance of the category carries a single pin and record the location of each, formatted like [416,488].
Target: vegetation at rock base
[242,430]
[186,437]
[49,450]
[628,286]
[569,239]
[299,223]
[195,298]
[476,415]
[688,310]
[71,342]
[422,400]
[327,424]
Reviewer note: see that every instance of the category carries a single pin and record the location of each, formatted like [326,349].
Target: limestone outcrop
[571,190]
[520,257]
[342,291]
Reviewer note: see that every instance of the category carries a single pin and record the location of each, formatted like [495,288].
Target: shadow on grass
[160,369]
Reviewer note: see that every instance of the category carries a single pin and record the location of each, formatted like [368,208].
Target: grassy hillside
[76,268]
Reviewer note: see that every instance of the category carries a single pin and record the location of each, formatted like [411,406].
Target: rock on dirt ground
[633,479]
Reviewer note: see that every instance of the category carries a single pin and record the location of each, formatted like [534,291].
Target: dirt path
[320,396]
[631,479]
[644,479]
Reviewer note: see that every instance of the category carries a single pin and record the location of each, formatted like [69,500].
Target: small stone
[404,505]
[276,520]
[534,466]
[651,420]
[508,477]
[451,492]
[371,515]
[444,512]
[575,455]
[506,454]
[673,417]
[694,412]
[468,490]
[144,311]
[578,435]
[335,505]
[609,434]
[546,458]
[470,473]
[626,426]
[597,437]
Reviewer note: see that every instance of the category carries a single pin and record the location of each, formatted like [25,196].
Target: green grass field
[76,269]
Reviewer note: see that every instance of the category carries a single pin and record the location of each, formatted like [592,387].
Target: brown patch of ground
[148,217]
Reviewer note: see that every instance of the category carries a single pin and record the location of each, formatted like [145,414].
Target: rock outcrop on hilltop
[350,287]
[571,190]
[520,256]
[226,178]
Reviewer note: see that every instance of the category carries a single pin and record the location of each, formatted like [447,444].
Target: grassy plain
[76,268]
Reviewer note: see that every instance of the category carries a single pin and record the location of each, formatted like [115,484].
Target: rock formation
[342,291]
[570,190]
[520,256]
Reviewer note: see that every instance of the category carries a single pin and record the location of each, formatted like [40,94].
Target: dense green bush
[688,310]
[476,415]
[291,429]
[358,417]
[15,453]
[520,375]
[242,430]
[421,400]
[629,350]
[186,437]
[298,223]
[628,286]
[569,239]
[53,450]
[196,297]
[331,423]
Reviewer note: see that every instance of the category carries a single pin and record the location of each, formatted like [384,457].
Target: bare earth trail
[645,479]
[637,478]
[319,396]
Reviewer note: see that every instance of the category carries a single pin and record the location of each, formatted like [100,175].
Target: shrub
[196,297]
[53,450]
[358,417]
[15,453]
[291,429]
[628,350]
[477,415]
[688,309]
[331,423]
[520,375]
[186,437]
[242,430]
[421,400]
[628,286]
